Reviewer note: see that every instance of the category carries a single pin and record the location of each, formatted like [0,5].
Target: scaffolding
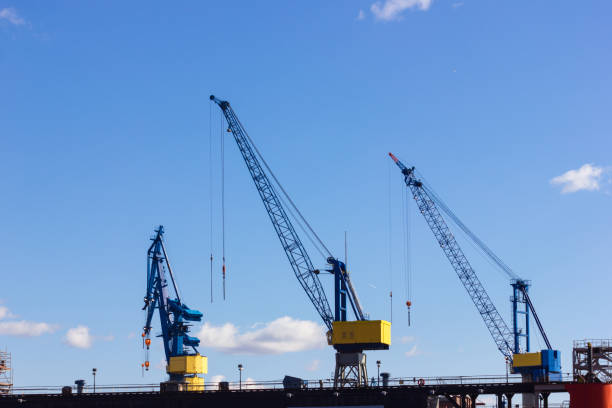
[593,361]
[6,373]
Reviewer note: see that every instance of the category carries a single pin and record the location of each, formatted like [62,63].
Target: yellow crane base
[195,383]
[186,384]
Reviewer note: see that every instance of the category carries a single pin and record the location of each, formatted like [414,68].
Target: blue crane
[349,338]
[182,357]
[547,363]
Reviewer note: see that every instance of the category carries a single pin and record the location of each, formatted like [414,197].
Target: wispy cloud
[313,366]
[414,351]
[10,14]
[24,328]
[457,4]
[79,337]
[360,15]
[5,313]
[587,177]
[161,364]
[393,9]
[282,335]
[407,339]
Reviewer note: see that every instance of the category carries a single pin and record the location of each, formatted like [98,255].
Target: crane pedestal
[351,370]
[530,400]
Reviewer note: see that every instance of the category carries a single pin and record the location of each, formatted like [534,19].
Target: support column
[500,400]
[509,399]
[545,396]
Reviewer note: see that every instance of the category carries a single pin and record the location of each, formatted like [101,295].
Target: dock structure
[404,396]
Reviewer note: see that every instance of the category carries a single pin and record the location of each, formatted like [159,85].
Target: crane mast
[349,338]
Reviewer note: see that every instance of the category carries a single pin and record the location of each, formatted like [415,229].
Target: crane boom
[501,333]
[290,241]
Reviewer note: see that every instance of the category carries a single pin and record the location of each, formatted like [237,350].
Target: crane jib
[294,249]
[499,330]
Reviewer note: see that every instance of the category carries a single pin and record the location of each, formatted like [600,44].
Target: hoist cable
[210,194]
[390,240]
[284,191]
[222,201]
[481,245]
[302,228]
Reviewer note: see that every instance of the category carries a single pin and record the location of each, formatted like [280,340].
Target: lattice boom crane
[349,338]
[534,366]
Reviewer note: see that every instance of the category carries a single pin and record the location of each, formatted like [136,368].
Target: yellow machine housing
[194,364]
[194,383]
[362,334]
[527,360]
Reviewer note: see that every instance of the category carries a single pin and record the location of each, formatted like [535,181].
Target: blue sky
[104,123]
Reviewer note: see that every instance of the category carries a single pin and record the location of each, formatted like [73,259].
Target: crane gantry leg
[351,370]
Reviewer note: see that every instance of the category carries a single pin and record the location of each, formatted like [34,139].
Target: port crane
[349,338]
[513,344]
[183,361]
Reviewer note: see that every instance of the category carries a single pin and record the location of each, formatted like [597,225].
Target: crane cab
[542,366]
[361,335]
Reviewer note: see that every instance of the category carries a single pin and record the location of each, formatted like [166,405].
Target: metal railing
[278,384]
[594,342]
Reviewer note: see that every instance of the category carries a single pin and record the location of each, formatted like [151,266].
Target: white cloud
[79,337]
[412,352]
[10,14]
[392,9]
[313,366]
[215,380]
[407,339]
[247,384]
[586,177]
[457,4]
[5,313]
[360,15]
[25,328]
[282,335]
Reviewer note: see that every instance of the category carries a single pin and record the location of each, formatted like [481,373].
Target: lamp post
[93,371]
[378,372]
[507,368]
[240,373]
